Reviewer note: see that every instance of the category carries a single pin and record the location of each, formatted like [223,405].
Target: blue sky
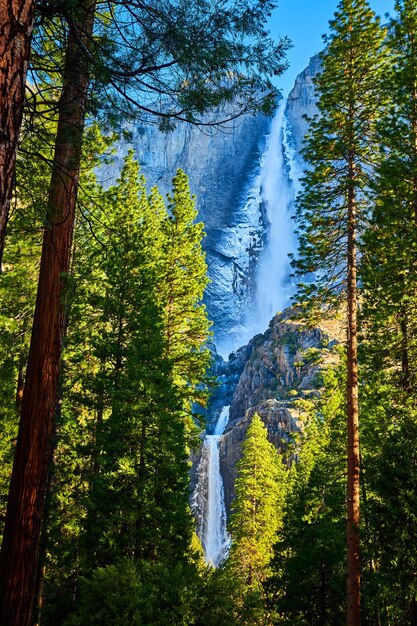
[304,22]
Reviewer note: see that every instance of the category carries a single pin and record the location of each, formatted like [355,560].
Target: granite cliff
[267,376]
[223,169]
[246,213]
[278,365]
[301,104]
[221,166]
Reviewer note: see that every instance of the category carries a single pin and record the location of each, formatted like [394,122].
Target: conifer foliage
[127,413]
[390,332]
[110,388]
[129,57]
[307,585]
[332,210]
[391,240]
[181,290]
[257,510]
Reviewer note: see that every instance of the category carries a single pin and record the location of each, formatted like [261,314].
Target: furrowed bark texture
[353,564]
[19,554]
[16,25]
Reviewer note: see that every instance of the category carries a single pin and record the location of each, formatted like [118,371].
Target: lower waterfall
[209,496]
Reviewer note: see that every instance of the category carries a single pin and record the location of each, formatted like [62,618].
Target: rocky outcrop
[282,364]
[284,361]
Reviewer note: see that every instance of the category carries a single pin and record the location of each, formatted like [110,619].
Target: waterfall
[209,496]
[272,192]
[278,182]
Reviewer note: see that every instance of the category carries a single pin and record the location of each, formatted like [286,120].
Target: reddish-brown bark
[19,553]
[353,508]
[19,386]
[16,25]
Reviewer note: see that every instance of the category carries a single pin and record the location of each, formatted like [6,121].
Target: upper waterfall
[273,190]
[273,287]
[244,179]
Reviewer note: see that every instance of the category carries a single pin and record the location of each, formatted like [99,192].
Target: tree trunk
[40,576]
[16,25]
[405,362]
[19,554]
[323,595]
[365,518]
[413,612]
[20,384]
[353,569]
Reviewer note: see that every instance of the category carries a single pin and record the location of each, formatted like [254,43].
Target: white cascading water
[278,179]
[215,539]
[275,186]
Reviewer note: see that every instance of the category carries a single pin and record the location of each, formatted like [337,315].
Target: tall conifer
[129,71]
[121,484]
[182,287]
[332,210]
[257,511]
[389,318]
[390,259]
[16,26]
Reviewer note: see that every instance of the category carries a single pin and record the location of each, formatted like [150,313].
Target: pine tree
[16,26]
[388,317]
[17,296]
[141,442]
[332,210]
[19,556]
[18,287]
[391,242]
[258,508]
[389,469]
[309,564]
[182,289]
[121,480]
[218,42]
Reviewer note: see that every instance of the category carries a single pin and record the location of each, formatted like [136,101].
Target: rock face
[301,103]
[284,363]
[266,376]
[221,166]
[280,365]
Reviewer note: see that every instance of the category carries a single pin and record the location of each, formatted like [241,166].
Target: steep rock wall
[221,165]
[301,105]
[223,168]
